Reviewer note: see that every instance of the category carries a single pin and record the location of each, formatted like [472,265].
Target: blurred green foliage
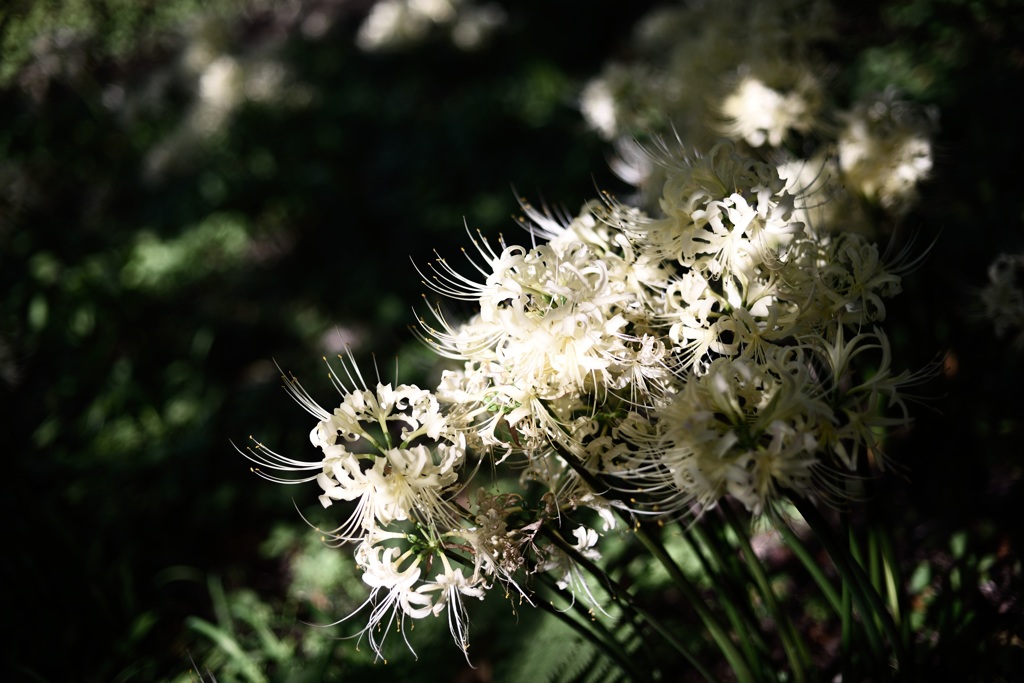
[160,250]
[111,29]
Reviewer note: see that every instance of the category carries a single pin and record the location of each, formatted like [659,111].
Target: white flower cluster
[623,365]
[747,70]
[396,456]
[768,90]
[722,340]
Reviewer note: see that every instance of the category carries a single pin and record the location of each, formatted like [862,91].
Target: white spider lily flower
[743,429]
[885,150]
[674,80]
[760,114]
[400,590]
[398,479]
[361,413]
[723,213]
[866,405]
[446,592]
[853,281]
[646,370]
[570,576]
[392,576]
[403,484]
[398,23]
[551,319]
[586,539]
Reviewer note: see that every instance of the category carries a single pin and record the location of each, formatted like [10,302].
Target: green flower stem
[796,650]
[864,596]
[672,640]
[875,570]
[718,633]
[750,639]
[640,627]
[864,563]
[848,630]
[851,538]
[846,641]
[733,594]
[609,644]
[604,642]
[627,600]
[894,582]
[873,589]
[846,559]
[874,565]
[810,564]
[840,602]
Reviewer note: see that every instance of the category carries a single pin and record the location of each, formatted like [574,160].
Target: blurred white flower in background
[1002,300]
[396,24]
[885,149]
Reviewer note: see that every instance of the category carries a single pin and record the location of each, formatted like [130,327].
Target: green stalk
[846,559]
[865,556]
[627,600]
[846,642]
[874,573]
[839,602]
[718,633]
[796,651]
[849,633]
[737,607]
[867,600]
[672,640]
[810,563]
[607,644]
[874,563]
[897,596]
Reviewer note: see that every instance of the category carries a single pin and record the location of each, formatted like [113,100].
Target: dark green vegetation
[157,257]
